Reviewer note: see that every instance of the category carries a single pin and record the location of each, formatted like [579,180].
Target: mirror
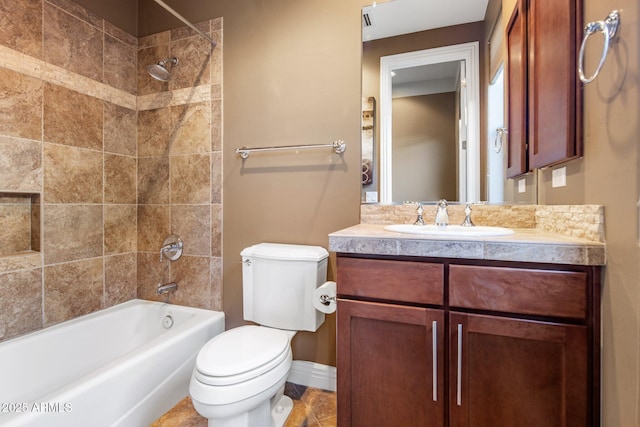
[429,124]
[396,33]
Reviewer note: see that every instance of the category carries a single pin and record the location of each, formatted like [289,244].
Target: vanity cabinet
[450,342]
[544,115]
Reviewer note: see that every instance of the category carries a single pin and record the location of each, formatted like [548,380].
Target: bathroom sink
[449,230]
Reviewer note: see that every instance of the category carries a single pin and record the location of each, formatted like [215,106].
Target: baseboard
[312,374]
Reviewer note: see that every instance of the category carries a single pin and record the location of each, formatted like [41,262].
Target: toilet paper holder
[327,300]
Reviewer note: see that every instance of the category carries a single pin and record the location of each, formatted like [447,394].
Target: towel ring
[608,28]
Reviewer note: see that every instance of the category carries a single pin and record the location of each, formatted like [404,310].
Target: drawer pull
[434,337]
[459,378]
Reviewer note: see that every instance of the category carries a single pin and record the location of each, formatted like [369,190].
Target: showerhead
[159,71]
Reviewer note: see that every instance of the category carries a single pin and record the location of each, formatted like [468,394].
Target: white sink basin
[449,230]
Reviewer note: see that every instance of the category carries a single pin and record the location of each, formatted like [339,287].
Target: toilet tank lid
[285,252]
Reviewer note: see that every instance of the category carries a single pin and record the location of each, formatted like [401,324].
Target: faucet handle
[173,246]
[467,216]
[419,211]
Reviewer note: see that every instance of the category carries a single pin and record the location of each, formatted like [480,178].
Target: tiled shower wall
[95,183]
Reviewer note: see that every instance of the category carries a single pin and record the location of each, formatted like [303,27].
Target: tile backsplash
[99,162]
[581,221]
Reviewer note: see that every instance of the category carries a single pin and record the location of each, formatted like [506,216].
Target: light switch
[371,196]
[522,187]
[559,177]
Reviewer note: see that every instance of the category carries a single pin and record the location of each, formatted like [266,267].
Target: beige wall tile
[71,118]
[120,34]
[21,105]
[120,129]
[21,303]
[154,40]
[151,272]
[78,11]
[120,65]
[216,283]
[15,226]
[72,44]
[154,132]
[21,26]
[72,232]
[190,179]
[120,278]
[20,164]
[184,32]
[216,125]
[72,289]
[119,179]
[153,227]
[72,175]
[192,276]
[153,180]
[120,229]
[192,224]
[194,54]
[216,230]
[216,177]
[191,128]
[216,59]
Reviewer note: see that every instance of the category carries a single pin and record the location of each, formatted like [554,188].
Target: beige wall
[424,147]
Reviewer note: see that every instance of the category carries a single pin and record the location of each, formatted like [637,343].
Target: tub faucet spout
[165,289]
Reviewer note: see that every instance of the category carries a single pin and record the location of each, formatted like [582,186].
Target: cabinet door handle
[459,378]
[434,337]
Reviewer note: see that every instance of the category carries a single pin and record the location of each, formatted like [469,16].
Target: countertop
[524,245]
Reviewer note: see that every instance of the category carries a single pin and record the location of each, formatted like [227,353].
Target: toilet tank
[278,281]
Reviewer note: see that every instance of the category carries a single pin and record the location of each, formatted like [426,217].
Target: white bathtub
[115,367]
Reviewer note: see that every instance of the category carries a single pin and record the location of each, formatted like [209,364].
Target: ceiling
[397,17]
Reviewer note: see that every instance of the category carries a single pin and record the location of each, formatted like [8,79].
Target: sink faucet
[419,211]
[442,217]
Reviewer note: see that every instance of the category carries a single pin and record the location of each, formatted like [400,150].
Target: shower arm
[184,20]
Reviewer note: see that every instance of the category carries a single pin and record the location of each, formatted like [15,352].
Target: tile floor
[312,407]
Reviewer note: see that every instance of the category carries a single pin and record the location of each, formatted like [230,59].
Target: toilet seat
[241,354]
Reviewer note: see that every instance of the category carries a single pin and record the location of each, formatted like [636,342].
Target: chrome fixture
[327,300]
[467,217]
[165,289]
[159,70]
[608,27]
[442,216]
[185,21]
[419,211]
[172,246]
[338,146]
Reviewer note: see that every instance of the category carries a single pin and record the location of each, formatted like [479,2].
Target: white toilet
[240,374]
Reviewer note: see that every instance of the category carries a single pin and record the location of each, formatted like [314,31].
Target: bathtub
[122,366]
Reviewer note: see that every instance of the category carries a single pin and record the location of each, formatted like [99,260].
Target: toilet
[239,377]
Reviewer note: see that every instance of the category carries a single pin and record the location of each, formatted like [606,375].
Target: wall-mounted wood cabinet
[453,343]
[544,93]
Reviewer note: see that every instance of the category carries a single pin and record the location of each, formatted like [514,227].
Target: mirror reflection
[432,152]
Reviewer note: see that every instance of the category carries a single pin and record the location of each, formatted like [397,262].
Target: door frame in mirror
[469,52]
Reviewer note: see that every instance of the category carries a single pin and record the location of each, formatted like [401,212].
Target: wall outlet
[522,185]
[559,177]
[371,196]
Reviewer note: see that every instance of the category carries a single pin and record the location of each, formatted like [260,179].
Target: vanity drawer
[402,281]
[524,291]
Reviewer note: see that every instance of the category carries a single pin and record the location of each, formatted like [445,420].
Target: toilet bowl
[239,377]
[239,373]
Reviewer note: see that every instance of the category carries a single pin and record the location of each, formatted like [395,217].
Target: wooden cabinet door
[516,66]
[509,372]
[554,101]
[387,357]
